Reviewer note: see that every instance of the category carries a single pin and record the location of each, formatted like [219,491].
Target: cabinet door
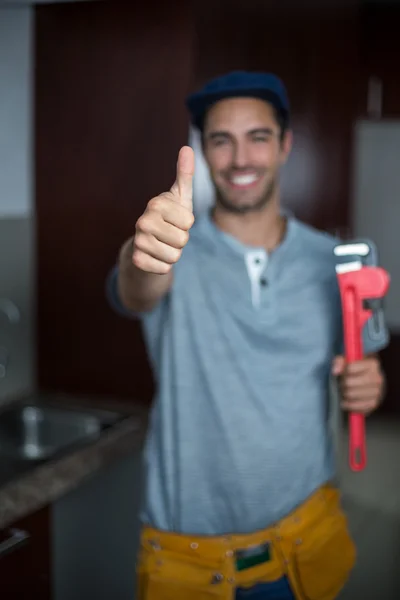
[25,559]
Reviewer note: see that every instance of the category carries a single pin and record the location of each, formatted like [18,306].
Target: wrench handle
[354,352]
[357,442]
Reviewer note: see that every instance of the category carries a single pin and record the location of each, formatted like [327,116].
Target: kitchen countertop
[45,483]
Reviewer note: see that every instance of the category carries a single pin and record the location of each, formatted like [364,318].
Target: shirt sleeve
[113,296]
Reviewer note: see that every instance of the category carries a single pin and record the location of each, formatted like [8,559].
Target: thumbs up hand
[163,230]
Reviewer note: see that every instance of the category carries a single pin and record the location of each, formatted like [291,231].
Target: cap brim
[198,104]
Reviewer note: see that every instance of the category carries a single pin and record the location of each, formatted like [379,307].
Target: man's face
[244,151]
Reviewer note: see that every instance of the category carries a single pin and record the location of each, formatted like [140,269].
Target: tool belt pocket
[324,559]
[167,576]
[268,571]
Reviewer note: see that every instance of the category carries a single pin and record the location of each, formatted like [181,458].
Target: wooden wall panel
[319,68]
[111,78]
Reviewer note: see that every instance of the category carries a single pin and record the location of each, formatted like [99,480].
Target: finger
[171,235]
[183,186]
[364,407]
[338,365]
[361,366]
[147,263]
[360,382]
[369,378]
[157,227]
[156,249]
[360,394]
[171,212]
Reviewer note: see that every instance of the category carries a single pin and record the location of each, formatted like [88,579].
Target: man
[241,314]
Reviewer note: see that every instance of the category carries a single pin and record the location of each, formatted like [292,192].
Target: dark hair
[282,119]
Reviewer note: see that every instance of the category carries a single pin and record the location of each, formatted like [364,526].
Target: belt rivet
[194,546]
[155,544]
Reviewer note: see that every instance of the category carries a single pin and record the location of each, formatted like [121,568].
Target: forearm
[139,290]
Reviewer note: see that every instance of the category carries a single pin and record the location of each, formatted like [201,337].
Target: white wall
[17,259]
[377,200]
[16,107]
[203,189]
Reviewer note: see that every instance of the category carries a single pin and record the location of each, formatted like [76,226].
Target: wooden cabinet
[25,568]
[379,58]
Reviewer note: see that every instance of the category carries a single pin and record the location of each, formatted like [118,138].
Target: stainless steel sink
[37,433]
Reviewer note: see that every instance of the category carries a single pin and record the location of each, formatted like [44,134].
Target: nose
[240,155]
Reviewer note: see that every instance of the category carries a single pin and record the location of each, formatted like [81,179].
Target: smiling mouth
[243,181]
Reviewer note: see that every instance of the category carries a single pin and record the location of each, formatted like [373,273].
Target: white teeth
[244,179]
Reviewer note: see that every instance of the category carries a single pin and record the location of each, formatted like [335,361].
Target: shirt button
[263,282]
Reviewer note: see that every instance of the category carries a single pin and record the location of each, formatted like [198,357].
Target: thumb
[338,365]
[183,186]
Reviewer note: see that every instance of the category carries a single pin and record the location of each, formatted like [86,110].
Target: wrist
[126,254]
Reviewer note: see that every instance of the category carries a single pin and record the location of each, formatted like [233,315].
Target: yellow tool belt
[311,547]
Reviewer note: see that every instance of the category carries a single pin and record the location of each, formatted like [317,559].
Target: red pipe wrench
[361,287]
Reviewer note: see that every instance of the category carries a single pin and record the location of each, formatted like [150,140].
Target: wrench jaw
[352,256]
[362,250]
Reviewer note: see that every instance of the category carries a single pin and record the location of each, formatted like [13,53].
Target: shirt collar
[225,242]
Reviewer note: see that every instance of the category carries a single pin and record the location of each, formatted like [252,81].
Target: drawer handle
[17,538]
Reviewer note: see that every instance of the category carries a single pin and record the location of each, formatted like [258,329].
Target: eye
[219,142]
[259,138]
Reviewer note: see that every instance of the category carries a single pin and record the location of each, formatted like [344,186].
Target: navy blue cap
[265,86]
